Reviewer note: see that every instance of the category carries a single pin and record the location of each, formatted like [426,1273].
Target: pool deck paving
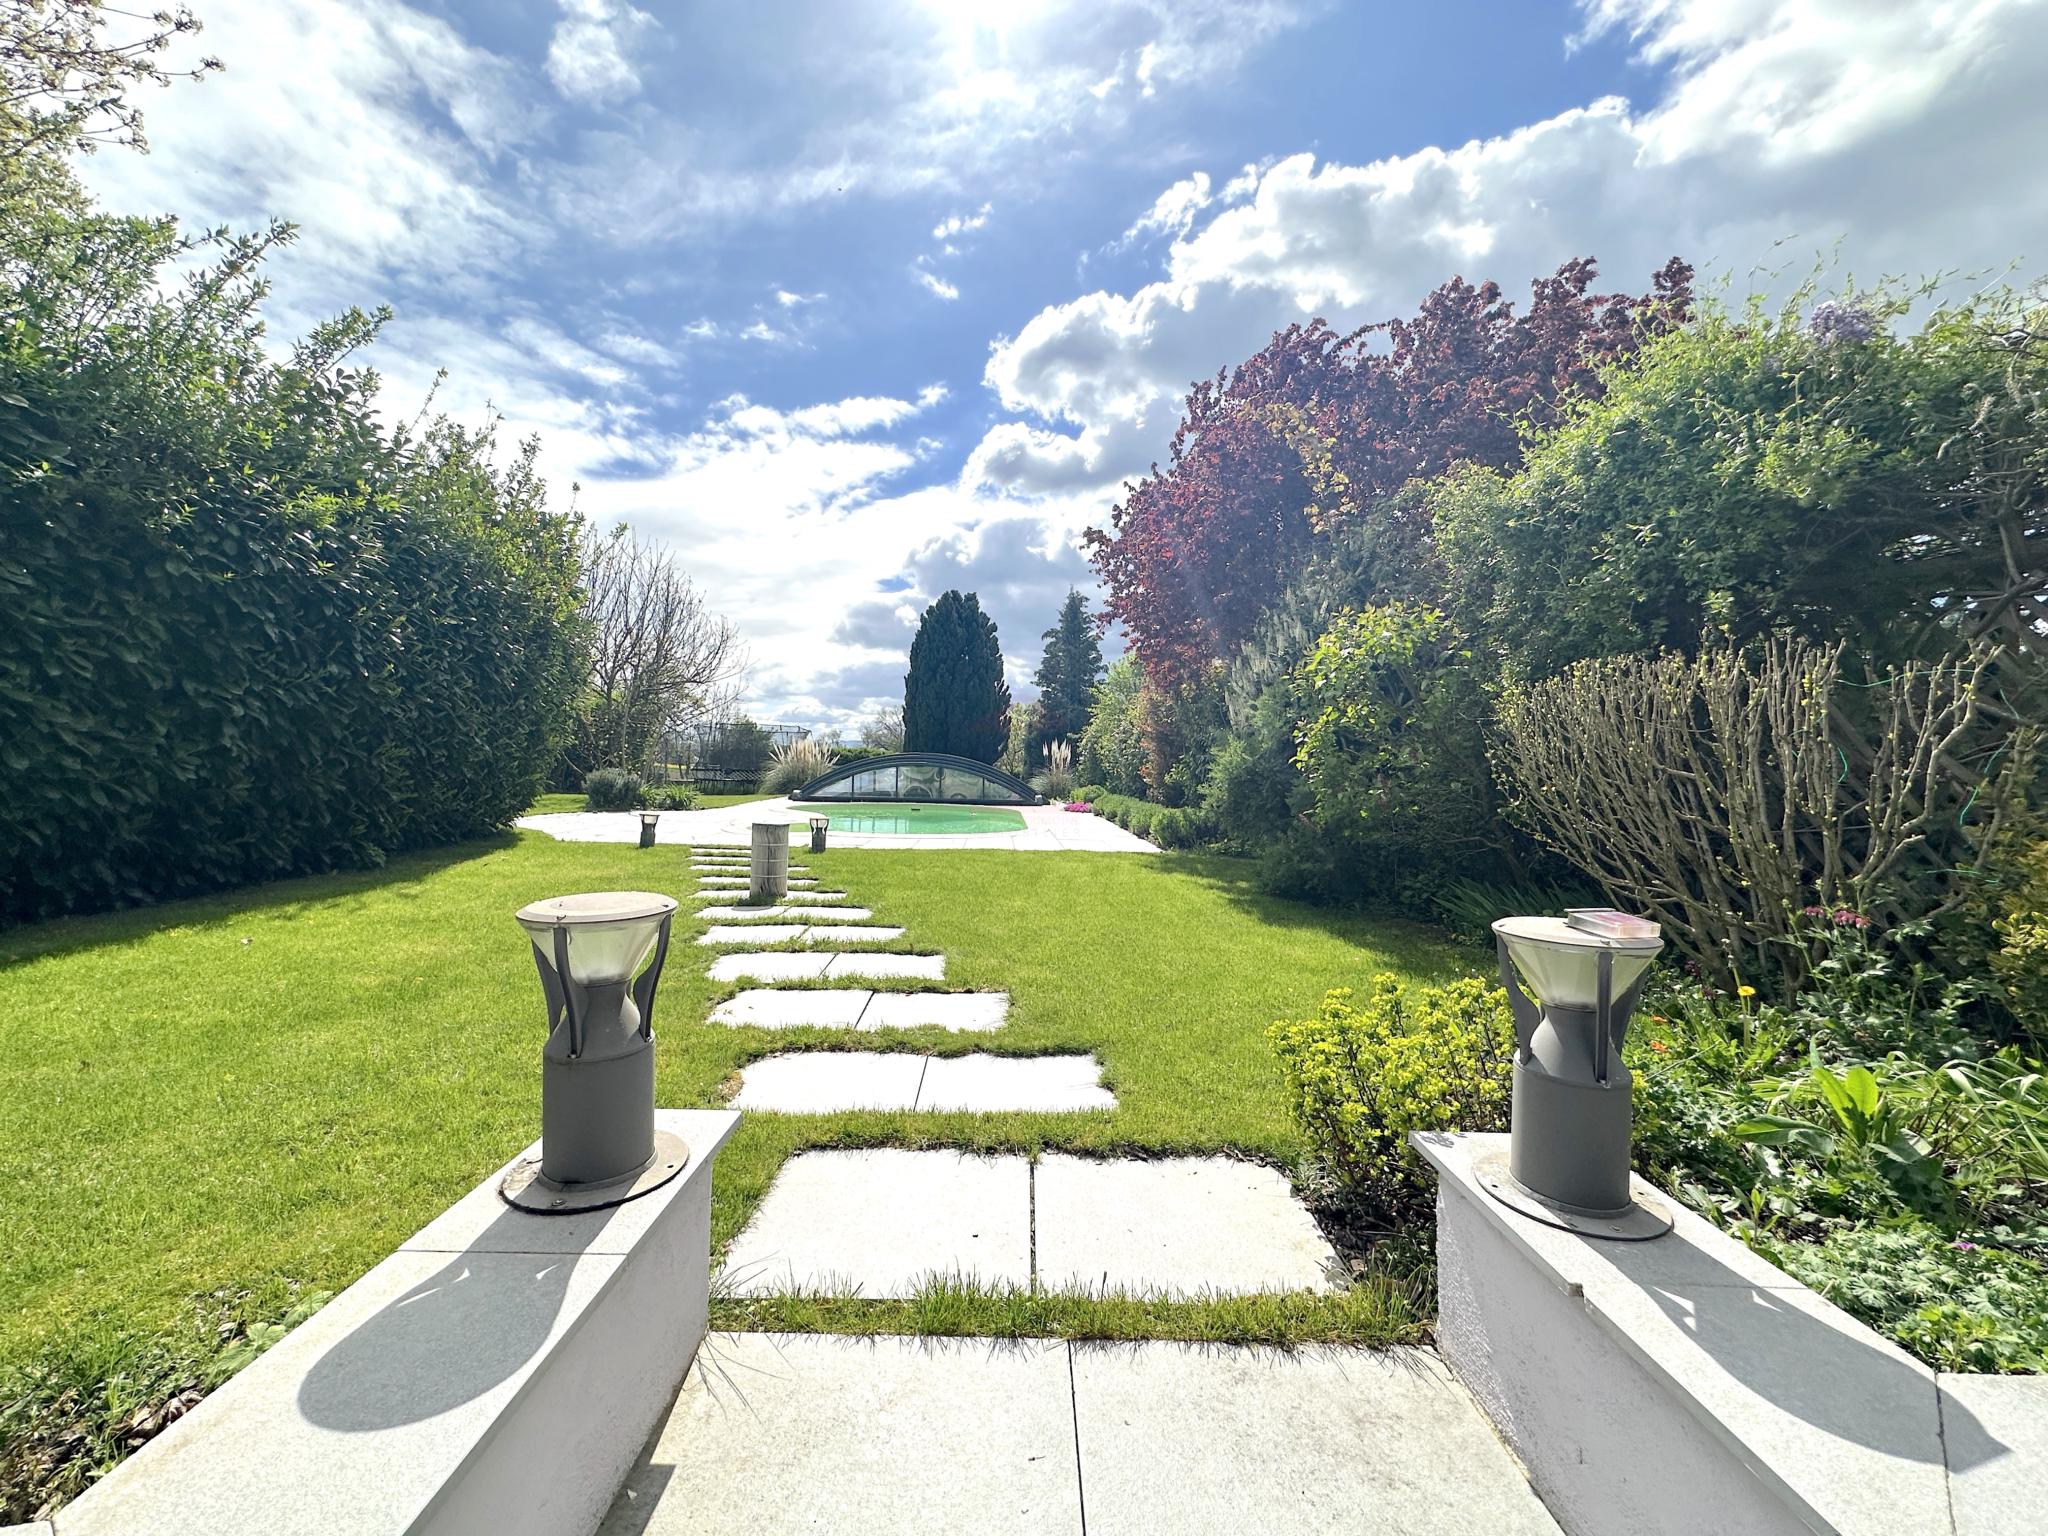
[786,1433]
[1047,829]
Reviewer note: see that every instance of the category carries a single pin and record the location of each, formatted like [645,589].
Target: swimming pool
[887,818]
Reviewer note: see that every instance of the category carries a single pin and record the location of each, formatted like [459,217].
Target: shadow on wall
[453,1337]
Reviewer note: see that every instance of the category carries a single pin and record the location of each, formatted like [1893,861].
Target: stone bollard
[768,872]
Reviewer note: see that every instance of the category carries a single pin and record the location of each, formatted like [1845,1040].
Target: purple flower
[1963,1246]
[1834,322]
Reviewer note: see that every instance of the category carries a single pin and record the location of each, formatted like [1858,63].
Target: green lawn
[275,1087]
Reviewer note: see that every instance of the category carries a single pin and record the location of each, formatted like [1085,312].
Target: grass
[260,1094]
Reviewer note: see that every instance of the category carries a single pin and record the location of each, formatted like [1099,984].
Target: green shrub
[2020,963]
[612,789]
[1170,826]
[671,797]
[1363,1072]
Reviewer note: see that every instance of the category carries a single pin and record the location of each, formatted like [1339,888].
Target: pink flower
[1813,911]
[1844,918]
[1080,805]
[1962,1245]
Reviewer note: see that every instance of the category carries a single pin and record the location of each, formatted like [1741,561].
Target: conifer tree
[954,696]
[1067,675]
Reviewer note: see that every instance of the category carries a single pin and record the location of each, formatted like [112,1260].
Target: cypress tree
[954,696]
[1068,674]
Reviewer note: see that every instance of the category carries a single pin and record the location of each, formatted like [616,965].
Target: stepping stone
[1177,1226]
[882,1222]
[727,893]
[821,1082]
[964,1011]
[772,1008]
[829,914]
[784,967]
[754,933]
[1047,1084]
[781,1434]
[1208,1441]
[881,967]
[872,934]
[720,882]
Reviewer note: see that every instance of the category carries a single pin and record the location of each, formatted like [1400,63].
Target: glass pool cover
[896,820]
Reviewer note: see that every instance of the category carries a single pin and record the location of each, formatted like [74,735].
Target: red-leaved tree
[1317,427]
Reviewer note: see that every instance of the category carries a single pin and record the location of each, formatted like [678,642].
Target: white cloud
[589,55]
[961,223]
[1906,133]
[1172,212]
[935,283]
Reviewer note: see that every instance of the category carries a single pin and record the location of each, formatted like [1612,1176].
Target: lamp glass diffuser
[611,933]
[1562,964]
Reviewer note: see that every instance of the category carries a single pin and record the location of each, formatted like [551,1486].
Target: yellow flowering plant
[1364,1071]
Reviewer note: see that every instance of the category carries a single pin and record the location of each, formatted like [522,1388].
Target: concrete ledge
[498,1373]
[1684,1384]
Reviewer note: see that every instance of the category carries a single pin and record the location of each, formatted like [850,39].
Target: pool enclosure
[929,777]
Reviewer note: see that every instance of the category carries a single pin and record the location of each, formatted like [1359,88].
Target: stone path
[787,1433]
[775,1434]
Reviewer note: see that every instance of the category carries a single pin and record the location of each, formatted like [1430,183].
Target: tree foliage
[1312,432]
[954,696]
[64,84]
[1759,473]
[251,632]
[1067,675]
[1112,750]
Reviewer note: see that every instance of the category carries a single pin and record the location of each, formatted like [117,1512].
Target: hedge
[250,632]
[1169,826]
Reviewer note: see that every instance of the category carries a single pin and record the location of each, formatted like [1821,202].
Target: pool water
[922,820]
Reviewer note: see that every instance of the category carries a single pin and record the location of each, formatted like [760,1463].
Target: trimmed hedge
[250,632]
[1170,826]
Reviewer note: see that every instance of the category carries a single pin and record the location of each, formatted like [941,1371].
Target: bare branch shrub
[1723,793]
[660,659]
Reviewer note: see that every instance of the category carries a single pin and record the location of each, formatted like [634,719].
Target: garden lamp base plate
[525,1189]
[1645,1218]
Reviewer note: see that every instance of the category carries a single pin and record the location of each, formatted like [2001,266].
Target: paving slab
[726,893]
[824,1082]
[753,933]
[801,966]
[1995,1432]
[880,967]
[780,1434]
[880,1222]
[963,1011]
[1181,1226]
[873,933]
[1053,1084]
[1200,1440]
[828,914]
[783,1008]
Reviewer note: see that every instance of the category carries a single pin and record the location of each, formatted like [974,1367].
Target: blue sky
[851,302]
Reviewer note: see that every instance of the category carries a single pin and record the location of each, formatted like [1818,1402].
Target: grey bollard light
[768,869]
[1572,1110]
[598,1145]
[649,821]
[820,825]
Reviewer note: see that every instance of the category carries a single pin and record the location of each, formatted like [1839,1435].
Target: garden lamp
[598,1145]
[820,825]
[649,820]
[768,867]
[1568,1158]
